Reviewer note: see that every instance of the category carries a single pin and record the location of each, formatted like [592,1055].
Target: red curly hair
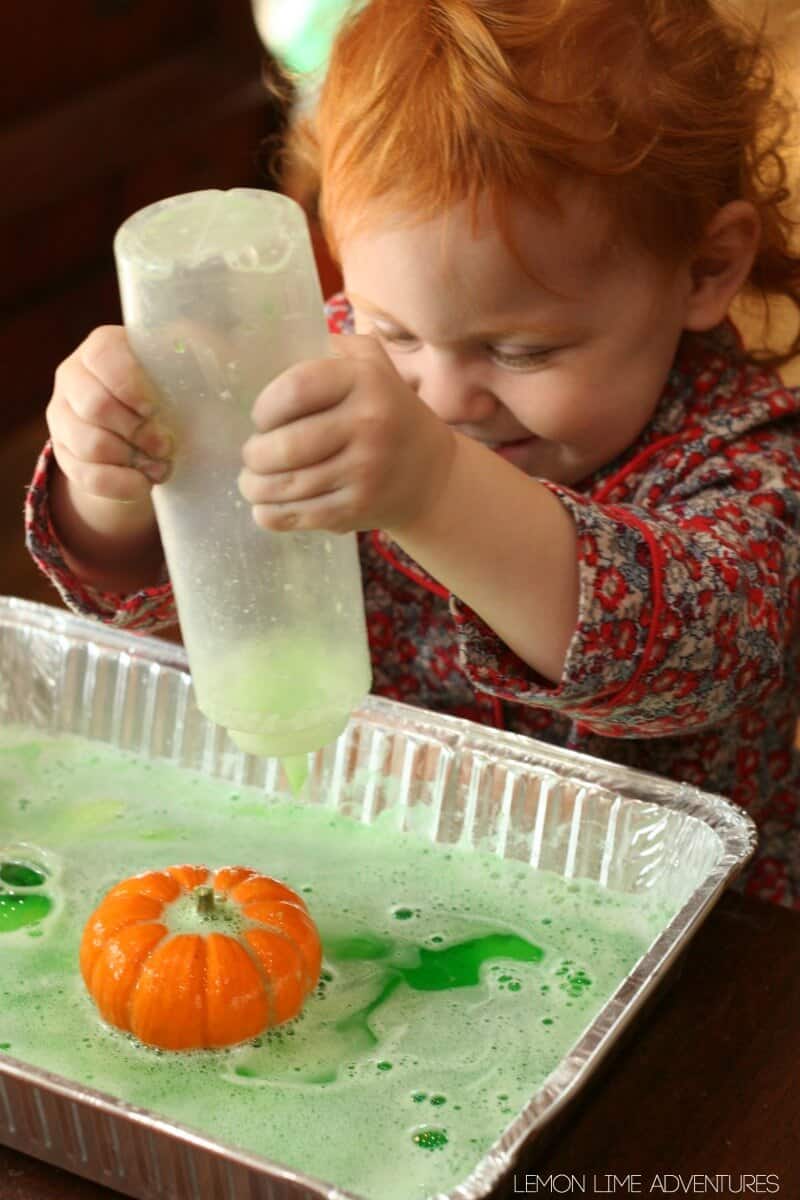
[667,106]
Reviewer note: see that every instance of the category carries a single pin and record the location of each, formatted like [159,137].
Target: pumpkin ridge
[96,979]
[142,964]
[188,876]
[263,976]
[244,1002]
[228,886]
[92,947]
[159,920]
[246,891]
[300,981]
[138,885]
[258,923]
[111,936]
[204,985]
[142,986]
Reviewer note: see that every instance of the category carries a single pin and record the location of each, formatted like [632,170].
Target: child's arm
[107,544]
[109,451]
[507,547]
[144,610]
[346,444]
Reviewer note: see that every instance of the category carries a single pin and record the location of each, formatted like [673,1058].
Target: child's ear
[722,263]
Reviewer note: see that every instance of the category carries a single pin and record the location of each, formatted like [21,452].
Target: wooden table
[707,1085]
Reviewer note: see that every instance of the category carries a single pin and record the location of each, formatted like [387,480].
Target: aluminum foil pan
[450,779]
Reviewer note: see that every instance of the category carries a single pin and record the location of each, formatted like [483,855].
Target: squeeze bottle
[220,294]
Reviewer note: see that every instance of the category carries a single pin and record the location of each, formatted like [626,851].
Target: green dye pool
[453,982]
[18,912]
[21,875]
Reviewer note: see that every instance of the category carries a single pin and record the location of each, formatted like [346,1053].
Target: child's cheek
[550,405]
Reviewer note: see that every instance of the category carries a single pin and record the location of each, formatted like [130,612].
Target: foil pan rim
[113,1106]
[736,829]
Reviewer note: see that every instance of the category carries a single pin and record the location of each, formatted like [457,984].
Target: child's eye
[519,358]
[396,337]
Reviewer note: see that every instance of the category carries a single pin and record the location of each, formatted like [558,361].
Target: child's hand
[343,444]
[100,418]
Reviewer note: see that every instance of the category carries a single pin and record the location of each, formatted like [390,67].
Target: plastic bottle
[219,295]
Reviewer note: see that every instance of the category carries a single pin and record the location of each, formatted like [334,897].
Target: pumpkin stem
[205,900]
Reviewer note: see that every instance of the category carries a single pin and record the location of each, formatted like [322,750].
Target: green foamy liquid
[453,982]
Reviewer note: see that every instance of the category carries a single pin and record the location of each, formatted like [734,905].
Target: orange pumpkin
[183,959]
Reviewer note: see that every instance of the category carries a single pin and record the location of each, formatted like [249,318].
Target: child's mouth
[515,452]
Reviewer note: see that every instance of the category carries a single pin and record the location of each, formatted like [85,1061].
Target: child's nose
[454,390]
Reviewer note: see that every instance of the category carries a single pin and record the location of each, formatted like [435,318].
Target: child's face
[558,370]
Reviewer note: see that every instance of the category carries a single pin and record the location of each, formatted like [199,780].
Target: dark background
[105,106]
[108,105]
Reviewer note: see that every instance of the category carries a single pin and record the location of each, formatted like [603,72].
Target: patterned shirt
[684,660]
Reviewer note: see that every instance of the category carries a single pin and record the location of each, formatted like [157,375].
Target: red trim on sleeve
[497,710]
[635,464]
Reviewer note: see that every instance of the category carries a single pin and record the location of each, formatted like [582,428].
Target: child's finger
[282,487]
[308,387]
[107,356]
[297,445]
[98,447]
[92,402]
[333,511]
[102,479]
[93,442]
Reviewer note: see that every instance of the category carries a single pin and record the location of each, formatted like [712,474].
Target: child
[577,495]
